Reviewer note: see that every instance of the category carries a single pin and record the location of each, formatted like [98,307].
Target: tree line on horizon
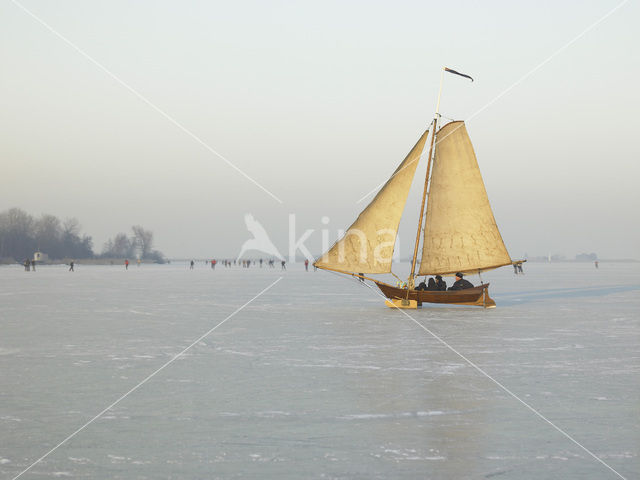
[21,235]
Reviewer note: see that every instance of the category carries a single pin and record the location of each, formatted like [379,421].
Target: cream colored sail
[367,246]
[460,234]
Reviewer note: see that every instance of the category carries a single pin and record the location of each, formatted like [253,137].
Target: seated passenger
[440,283]
[432,285]
[460,283]
[422,286]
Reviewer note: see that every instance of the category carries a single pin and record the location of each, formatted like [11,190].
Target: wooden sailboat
[460,232]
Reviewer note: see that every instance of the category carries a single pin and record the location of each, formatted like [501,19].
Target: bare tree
[48,235]
[122,246]
[21,236]
[71,227]
[16,234]
[74,246]
[118,247]
[143,239]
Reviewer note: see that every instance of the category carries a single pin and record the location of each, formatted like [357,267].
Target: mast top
[439,94]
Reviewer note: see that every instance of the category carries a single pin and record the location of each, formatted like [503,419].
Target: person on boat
[422,285]
[460,283]
[441,285]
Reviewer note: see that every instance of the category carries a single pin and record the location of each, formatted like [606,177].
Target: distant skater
[515,268]
[33,265]
[213,264]
[282,264]
[126,264]
[306,265]
[27,265]
[361,277]
[596,263]
[191,265]
[71,266]
[520,268]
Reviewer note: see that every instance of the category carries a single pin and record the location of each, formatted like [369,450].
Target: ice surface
[316,378]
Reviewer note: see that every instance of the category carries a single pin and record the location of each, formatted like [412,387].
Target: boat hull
[478,296]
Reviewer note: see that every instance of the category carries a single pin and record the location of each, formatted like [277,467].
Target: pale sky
[318,102]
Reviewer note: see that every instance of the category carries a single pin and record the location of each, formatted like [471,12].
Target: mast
[410,282]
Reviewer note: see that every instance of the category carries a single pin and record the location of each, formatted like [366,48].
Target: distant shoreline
[606,260]
[120,261]
[82,261]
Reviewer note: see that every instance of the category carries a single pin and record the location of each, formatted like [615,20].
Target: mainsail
[367,246]
[460,233]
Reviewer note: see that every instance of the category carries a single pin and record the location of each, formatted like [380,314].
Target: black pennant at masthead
[457,73]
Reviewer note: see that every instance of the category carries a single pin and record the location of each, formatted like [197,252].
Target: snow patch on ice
[10,418]
[236,352]
[9,351]
[265,414]
[356,367]
[409,454]
[117,458]
[373,416]
[272,414]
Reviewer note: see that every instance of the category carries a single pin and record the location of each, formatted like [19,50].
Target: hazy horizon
[318,104]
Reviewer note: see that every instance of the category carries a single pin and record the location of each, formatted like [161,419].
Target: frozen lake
[316,378]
